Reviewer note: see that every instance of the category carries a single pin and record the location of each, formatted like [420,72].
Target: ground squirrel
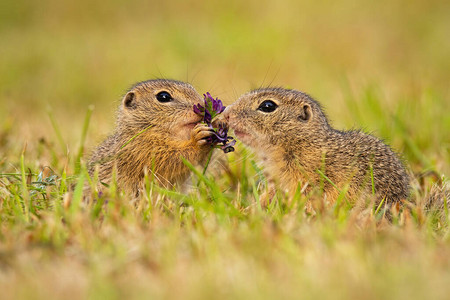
[291,133]
[155,127]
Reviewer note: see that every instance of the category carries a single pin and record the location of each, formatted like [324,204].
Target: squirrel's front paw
[220,122]
[200,134]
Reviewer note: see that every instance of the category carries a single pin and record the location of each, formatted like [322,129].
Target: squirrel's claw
[220,122]
[200,133]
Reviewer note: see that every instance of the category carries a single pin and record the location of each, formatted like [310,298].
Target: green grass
[381,66]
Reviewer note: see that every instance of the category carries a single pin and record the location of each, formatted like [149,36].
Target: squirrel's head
[164,105]
[269,117]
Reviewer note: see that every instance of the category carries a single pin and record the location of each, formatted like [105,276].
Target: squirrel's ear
[305,112]
[129,101]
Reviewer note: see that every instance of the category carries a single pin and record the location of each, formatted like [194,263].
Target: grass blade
[55,126]
[83,138]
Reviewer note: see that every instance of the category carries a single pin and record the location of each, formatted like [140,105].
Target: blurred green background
[383,66]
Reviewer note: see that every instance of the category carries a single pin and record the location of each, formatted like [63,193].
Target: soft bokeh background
[383,66]
[350,55]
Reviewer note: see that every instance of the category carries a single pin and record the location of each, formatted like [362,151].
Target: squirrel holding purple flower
[212,108]
[159,124]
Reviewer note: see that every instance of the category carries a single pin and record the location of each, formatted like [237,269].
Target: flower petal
[198,109]
[221,108]
[230,144]
[208,96]
[207,118]
[212,107]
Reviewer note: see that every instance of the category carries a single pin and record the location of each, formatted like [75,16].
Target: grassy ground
[382,66]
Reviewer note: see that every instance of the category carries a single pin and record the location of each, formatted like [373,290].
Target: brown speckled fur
[293,149]
[158,150]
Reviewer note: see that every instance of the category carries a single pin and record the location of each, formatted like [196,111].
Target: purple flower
[199,109]
[221,136]
[208,117]
[213,107]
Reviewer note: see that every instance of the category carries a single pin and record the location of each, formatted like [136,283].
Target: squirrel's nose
[226,114]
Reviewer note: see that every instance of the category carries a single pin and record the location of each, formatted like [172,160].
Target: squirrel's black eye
[164,97]
[267,106]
